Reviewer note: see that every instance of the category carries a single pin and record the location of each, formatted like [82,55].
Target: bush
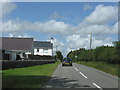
[7,64]
[109,54]
[38,57]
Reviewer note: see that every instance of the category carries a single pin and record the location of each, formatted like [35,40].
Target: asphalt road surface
[80,76]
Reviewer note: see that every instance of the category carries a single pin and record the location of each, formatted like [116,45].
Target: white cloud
[84,29]
[6,8]
[75,41]
[57,27]
[57,45]
[102,14]
[21,35]
[52,26]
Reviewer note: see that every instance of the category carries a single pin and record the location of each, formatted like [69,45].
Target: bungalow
[15,48]
[43,48]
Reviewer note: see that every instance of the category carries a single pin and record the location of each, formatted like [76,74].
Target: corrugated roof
[43,44]
[13,43]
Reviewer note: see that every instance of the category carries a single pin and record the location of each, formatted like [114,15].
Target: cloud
[102,14]
[58,46]
[57,27]
[6,8]
[52,26]
[20,35]
[76,42]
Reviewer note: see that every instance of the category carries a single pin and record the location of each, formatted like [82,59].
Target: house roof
[13,43]
[43,44]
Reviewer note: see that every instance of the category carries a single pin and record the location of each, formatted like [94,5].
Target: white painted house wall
[39,51]
[13,56]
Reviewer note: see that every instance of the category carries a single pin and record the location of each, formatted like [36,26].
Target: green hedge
[103,53]
[19,64]
[38,57]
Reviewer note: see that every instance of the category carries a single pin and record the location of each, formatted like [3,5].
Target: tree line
[109,54]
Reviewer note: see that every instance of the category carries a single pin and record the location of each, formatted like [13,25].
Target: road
[80,76]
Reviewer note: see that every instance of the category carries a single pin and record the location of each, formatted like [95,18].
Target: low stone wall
[7,64]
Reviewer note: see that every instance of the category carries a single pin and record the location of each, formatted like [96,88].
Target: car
[67,62]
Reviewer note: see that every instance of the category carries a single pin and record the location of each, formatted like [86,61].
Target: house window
[45,51]
[37,49]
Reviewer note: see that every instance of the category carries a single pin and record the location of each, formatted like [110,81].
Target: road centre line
[97,86]
[87,77]
[83,75]
[76,69]
[80,73]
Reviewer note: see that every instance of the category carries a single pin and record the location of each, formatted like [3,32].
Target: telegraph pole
[90,40]
[56,52]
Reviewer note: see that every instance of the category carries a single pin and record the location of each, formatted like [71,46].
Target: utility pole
[90,40]
[52,44]
[56,52]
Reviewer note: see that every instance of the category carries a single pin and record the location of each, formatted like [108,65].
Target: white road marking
[80,73]
[83,75]
[97,86]
[76,69]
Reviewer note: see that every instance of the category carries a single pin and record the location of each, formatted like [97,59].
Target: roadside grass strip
[28,77]
[103,66]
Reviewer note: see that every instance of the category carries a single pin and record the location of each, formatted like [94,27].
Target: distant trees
[59,55]
[108,54]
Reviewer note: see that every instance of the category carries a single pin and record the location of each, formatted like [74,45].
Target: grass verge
[108,68]
[28,77]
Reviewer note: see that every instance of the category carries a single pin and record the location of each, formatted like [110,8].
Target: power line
[108,28]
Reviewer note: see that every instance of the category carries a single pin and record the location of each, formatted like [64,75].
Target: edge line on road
[83,75]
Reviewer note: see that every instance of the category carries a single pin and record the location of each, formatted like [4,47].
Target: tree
[59,55]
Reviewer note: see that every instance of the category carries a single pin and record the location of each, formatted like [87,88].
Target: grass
[108,68]
[28,77]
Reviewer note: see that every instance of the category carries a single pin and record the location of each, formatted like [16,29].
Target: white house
[43,48]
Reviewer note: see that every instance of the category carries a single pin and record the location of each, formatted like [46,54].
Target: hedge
[38,57]
[8,64]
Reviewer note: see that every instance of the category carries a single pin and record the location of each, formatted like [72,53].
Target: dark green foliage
[8,64]
[59,55]
[39,57]
[109,54]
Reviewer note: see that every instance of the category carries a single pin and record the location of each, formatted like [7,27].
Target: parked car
[67,61]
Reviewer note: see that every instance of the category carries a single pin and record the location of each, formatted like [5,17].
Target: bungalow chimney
[51,40]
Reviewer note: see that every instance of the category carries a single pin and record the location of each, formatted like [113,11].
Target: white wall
[13,56]
[41,52]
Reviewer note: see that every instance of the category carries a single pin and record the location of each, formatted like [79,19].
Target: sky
[69,23]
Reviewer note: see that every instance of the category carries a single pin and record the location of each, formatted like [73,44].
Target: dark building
[15,48]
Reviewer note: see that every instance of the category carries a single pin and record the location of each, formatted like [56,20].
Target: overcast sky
[70,24]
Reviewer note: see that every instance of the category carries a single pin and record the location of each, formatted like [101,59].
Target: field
[109,68]
[28,77]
